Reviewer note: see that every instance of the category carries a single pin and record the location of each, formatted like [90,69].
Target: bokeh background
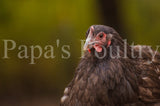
[42,22]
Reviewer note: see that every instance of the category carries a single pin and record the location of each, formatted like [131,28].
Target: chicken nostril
[93,43]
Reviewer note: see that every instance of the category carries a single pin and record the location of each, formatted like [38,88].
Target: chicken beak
[88,43]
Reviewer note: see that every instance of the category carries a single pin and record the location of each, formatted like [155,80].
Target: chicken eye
[101,35]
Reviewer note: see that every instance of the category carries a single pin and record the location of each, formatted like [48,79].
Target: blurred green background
[42,22]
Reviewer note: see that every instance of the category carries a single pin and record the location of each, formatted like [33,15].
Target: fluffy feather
[115,82]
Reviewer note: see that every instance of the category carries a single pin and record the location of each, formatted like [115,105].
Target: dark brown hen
[112,73]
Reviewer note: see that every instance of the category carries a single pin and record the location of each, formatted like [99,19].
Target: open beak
[88,44]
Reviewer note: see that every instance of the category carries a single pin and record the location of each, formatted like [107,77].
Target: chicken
[112,73]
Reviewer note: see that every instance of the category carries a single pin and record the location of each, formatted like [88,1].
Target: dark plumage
[114,80]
